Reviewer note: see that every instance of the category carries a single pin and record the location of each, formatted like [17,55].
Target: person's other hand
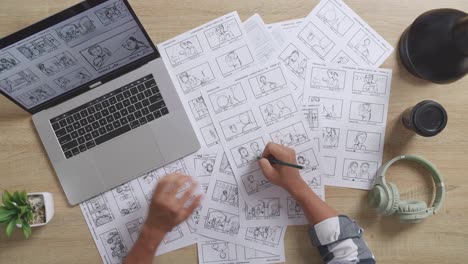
[167,209]
[280,175]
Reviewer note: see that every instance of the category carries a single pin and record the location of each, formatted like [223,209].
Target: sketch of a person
[244,155]
[332,80]
[200,107]
[252,183]
[370,84]
[353,169]
[208,166]
[317,43]
[283,108]
[256,149]
[188,50]
[26,52]
[270,114]
[190,80]
[363,47]
[301,67]
[220,249]
[359,141]
[292,59]
[148,179]
[224,196]
[365,111]
[100,55]
[47,71]
[329,112]
[223,34]
[303,161]
[6,85]
[65,61]
[246,122]
[63,82]
[233,60]
[6,64]
[41,94]
[330,17]
[82,75]
[364,171]
[134,45]
[265,85]
[330,137]
[69,32]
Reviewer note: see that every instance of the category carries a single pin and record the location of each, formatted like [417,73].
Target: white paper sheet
[348,106]
[115,217]
[260,39]
[282,30]
[224,252]
[248,112]
[219,216]
[332,33]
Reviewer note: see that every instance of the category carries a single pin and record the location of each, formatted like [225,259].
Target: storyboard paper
[349,107]
[219,214]
[260,39]
[248,112]
[115,217]
[332,33]
[224,252]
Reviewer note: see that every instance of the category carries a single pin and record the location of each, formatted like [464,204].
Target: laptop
[100,96]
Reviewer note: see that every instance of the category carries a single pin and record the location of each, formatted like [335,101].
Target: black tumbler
[427,118]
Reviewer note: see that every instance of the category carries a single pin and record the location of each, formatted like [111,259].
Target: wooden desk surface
[440,239]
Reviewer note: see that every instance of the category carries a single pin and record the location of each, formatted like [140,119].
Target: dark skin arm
[289,178]
[166,211]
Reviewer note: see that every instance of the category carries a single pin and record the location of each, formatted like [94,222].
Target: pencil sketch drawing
[184,50]
[73,79]
[329,165]
[226,193]
[238,125]
[234,60]
[217,250]
[312,117]
[267,234]
[225,167]
[369,112]
[294,60]
[125,199]
[204,165]
[173,235]
[369,83]
[223,33]
[362,141]
[254,182]
[267,82]
[209,134]
[99,210]
[18,81]
[114,246]
[266,208]
[193,220]
[330,137]
[369,50]
[198,108]
[278,109]
[291,135]
[294,209]
[360,169]
[329,79]
[7,62]
[344,59]
[307,159]
[335,19]
[195,77]
[148,183]
[222,222]
[227,98]
[134,228]
[248,152]
[316,40]
[38,47]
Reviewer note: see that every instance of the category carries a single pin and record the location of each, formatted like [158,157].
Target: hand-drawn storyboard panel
[350,112]
[331,33]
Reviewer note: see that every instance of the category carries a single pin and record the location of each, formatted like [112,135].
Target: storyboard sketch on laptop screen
[71,53]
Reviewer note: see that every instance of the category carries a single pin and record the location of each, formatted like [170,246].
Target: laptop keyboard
[109,116]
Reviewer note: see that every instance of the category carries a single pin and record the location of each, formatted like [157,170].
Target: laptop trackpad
[128,156]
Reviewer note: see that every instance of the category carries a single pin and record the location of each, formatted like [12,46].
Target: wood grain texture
[440,239]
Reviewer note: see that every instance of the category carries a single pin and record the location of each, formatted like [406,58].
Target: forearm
[144,248]
[314,208]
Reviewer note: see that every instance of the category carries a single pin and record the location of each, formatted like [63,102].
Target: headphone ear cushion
[395,199]
[411,206]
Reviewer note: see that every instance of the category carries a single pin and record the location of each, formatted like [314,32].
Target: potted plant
[25,211]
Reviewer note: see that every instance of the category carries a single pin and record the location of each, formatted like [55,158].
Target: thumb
[267,169]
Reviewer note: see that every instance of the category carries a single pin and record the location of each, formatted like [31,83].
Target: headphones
[385,197]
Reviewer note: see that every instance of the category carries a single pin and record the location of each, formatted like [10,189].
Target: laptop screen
[93,41]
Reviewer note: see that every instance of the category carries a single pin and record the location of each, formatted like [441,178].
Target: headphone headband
[436,176]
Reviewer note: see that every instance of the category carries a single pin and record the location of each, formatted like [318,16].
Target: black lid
[429,118]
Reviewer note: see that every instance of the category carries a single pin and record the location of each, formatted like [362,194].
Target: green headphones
[385,197]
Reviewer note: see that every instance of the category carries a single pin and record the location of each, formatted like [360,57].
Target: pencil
[279,162]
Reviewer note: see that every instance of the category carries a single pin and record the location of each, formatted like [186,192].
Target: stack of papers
[311,84]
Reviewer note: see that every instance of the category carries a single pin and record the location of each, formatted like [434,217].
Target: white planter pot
[48,200]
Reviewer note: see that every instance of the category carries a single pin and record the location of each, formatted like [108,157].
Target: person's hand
[167,208]
[280,175]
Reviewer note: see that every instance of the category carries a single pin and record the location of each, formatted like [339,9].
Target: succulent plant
[16,211]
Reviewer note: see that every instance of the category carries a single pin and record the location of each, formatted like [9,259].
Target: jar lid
[429,118]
